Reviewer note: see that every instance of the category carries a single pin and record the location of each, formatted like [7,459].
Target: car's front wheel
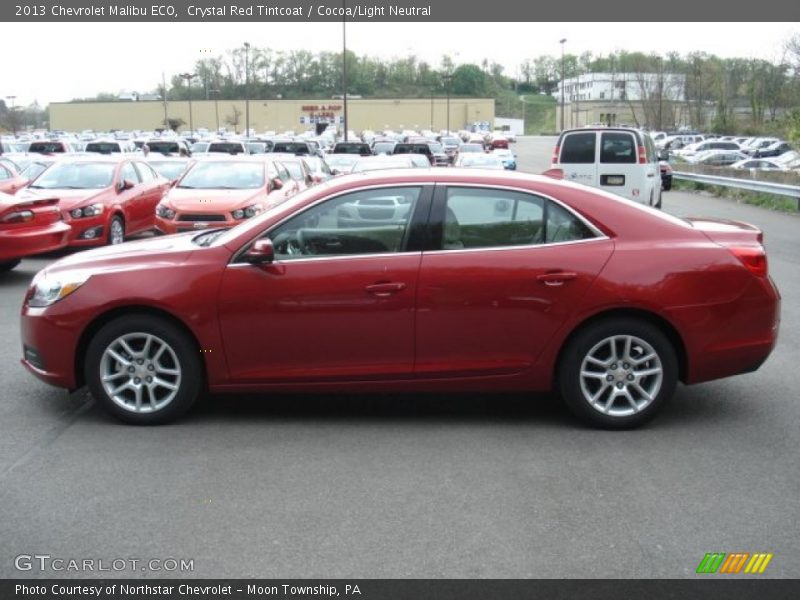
[116,231]
[143,369]
[618,373]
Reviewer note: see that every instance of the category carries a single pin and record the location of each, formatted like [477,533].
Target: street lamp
[188,78]
[246,89]
[447,77]
[524,113]
[13,116]
[216,106]
[562,41]
[344,65]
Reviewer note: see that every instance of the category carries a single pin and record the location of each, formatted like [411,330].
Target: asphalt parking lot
[413,486]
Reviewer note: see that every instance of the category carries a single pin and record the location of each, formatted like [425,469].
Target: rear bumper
[17,243]
[738,337]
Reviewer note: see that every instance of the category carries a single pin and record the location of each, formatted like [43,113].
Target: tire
[616,395]
[9,264]
[668,184]
[116,231]
[178,364]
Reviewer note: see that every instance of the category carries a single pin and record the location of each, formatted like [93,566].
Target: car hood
[171,249]
[67,199]
[212,200]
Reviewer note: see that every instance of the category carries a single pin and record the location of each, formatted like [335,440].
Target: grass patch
[770,201]
[539,111]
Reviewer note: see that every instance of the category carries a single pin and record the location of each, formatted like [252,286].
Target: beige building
[273,115]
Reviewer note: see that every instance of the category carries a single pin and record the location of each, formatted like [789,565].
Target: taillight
[642,156]
[555,155]
[752,257]
[21,216]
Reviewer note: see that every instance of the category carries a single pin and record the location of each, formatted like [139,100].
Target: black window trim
[414,238]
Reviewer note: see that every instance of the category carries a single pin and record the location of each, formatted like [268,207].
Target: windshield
[295,170]
[170,170]
[45,147]
[386,147]
[226,147]
[33,170]
[291,147]
[78,176]
[164,147]
[103,147]
[224,175]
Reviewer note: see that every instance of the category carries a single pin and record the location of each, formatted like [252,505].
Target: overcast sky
[58,61]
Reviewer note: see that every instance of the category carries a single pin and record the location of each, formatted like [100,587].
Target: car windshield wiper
[187,187]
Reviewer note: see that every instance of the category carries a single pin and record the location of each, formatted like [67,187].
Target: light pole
[188,78]
[216,106]
[660,90]
[432,91]
[524,114]
[563,81]
[344,65]
[447,77]
[13,116]
[247,89]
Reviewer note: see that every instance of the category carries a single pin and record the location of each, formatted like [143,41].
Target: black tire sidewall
[185,349]
[8,265]
[579,346]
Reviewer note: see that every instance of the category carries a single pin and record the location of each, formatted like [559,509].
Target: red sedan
[437,280]
[222,193]
[29,227]
[104,199]
[10,179]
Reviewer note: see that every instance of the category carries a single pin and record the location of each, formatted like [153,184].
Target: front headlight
[87,211]
[246,213]
[165,212]
[45,291]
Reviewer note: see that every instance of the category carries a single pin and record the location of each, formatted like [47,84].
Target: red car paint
[29,227]
[425,319]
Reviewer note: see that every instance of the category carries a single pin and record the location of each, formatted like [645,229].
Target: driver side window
[366,222]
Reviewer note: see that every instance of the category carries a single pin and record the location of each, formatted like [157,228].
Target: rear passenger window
[578,148]
[617,148]
[492,218]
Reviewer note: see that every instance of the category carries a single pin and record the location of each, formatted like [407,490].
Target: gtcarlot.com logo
[734,563]
[46,562]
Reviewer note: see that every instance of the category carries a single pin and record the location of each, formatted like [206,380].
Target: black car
[433,150]
[298,148]
[359,148]
[775,149]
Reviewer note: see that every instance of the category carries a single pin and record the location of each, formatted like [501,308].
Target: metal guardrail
[764,187]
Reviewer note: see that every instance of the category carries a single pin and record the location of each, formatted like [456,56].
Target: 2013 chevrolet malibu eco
[413,280]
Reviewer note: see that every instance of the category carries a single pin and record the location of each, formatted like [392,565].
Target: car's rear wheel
[8,265]
[143,370]
[618,373]
[116,230]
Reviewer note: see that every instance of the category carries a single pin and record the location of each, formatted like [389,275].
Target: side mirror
[261,252]
[125,184]
[277,183]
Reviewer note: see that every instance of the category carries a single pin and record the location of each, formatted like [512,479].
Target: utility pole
[246,89]
[563,81]
[188,78]
[344,66]
[216,107]
[13,115]
[164,99]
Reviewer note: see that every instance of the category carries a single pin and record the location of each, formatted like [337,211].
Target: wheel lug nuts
[614,366]
[626,366]
[131,369]
[149,380]
[630,377]
[619,385]
[150,367]
[609,378]
[137,380]
[140,361]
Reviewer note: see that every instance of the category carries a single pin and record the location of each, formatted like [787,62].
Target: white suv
[615,159]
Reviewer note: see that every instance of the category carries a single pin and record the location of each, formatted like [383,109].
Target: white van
[615,159]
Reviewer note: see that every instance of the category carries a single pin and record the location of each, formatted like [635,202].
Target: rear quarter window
[579,148]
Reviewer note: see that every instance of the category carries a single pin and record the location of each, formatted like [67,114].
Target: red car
[222,192]
[10,179]
[447,280]
[102,198]
[29,227]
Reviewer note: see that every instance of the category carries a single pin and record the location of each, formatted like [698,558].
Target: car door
[620,170]
[153,189]
[508,269]
[338,301]
[130,199]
